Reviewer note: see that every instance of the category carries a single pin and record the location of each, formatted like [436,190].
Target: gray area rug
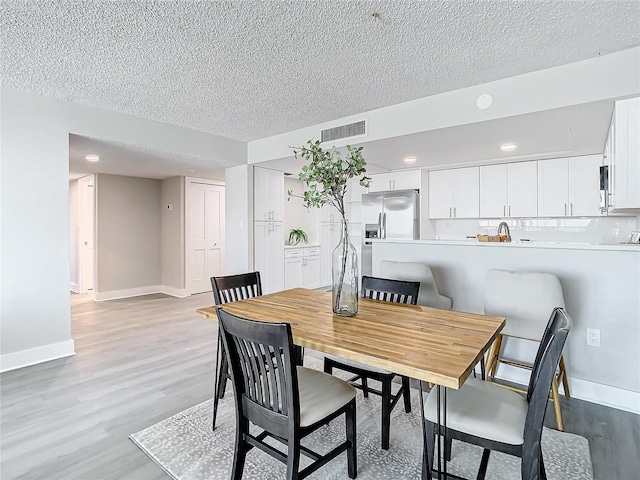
[186,448]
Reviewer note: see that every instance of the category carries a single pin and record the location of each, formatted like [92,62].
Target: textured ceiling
[250,69]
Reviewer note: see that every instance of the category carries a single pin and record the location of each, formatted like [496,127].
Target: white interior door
[86,231]
[205,235]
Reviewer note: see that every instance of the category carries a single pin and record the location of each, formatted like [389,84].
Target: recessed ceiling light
[410,159]
[91,158]
[188,170]
[508,147]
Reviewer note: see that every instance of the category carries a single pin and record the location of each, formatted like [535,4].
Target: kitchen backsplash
[607,230]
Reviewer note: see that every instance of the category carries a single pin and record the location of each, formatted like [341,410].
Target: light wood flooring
[142,360]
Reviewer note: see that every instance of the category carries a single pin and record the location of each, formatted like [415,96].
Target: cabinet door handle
[504,210]
[449,212]
[565,209]
[571,209]
[509,210]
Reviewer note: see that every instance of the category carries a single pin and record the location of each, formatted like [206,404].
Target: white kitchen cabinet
[328,213]
[569,186]
[624,161]
[329,238]
[302,267]
[268,195]
[509,190]
[399,180]
[522,189]
[268,259]
[454,193]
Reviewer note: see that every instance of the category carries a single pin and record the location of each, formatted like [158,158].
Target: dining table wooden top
[429,344]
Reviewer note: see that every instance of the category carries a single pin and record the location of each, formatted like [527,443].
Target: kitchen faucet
[506,227]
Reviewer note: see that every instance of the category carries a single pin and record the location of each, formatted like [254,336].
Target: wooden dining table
[431,345]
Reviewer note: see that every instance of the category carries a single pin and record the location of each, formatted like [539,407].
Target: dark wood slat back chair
[390,291]
[495,418]
[285,400]
[231,288]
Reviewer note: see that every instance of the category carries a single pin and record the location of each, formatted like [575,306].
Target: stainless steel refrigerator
[388,215]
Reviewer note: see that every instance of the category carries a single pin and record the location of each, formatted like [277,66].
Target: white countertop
[517,244]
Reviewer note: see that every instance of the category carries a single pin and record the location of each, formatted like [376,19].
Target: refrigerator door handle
[380,225]
[384,225]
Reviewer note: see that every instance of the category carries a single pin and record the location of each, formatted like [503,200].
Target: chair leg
[293,459]
[447,448]
[406,393]
[386,412]
[565,380]
[220,380]
[352,455]
[492,357]
[483,464]
[427,456]
[328,366]
[240,453]
[555,395]
[365,387]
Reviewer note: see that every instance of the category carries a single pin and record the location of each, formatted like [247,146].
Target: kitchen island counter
[519,244]
[601,285]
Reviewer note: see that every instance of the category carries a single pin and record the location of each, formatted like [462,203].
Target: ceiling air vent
[344,131]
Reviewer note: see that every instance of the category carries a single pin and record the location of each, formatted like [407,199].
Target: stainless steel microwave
[604,187]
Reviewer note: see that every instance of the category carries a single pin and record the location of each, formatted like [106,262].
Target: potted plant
[325,177]
[297,236]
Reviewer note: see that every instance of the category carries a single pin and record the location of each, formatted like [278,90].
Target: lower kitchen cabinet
[302,267]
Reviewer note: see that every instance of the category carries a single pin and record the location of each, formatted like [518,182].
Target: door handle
[509,210]
[384,225]
[449,212]
[571,209]
[454,212]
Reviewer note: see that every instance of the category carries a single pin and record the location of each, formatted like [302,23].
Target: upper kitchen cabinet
[509,190]
[569,186]
[454,193]
[624,156]
[268,195]
[400,180]
[329,213]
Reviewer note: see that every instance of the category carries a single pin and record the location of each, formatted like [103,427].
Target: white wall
[296,215]
[602,78]
[74,222]
[600,290]
[172,257]
[238,219]
[34,211]
[34,146]
[128,233]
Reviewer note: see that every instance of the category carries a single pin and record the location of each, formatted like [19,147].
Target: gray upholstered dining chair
[417,272]
[390,291]
[286,401]
[525,299]
[484,414]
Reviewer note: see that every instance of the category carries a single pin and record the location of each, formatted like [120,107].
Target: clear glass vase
[345,275]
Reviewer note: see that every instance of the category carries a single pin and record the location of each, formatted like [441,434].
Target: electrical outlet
[593,337]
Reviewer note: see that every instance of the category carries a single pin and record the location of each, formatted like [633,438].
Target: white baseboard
[607,395]
[126,293]
[75,288]
[136,292]
[174,292]
[32,356]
